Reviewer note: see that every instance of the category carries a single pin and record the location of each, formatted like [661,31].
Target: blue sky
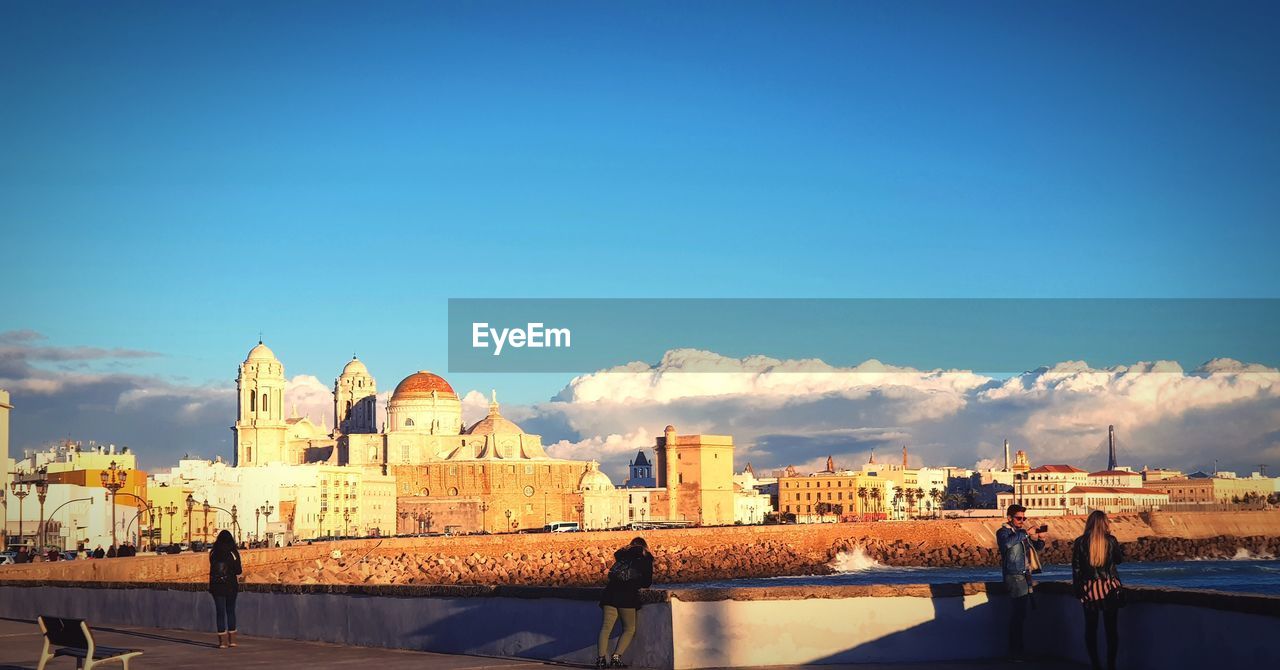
[176,177]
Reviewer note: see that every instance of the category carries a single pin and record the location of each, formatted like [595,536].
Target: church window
[248,454]
[253,401]
[680,478]
[425,492]
[453,490]
[264,402]
[408,423]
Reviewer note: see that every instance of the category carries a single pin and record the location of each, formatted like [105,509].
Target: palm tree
[911,499]
[919,499]
[937,498]
[897,502]
[862,494]
[875,498]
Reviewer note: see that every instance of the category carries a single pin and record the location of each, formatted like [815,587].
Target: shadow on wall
[559,630]
[945,625]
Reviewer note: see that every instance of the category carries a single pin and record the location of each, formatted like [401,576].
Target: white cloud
[782,412]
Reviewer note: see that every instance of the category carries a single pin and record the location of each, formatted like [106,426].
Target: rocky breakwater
[1150,548]
[566,566]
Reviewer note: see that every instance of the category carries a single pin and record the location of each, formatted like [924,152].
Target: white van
[561,527]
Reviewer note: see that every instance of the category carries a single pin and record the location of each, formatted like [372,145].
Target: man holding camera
[1017,544]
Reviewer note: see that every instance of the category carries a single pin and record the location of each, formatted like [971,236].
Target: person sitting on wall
[1017,559]
[99,553]
[632,570]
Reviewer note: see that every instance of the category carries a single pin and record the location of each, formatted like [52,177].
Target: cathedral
[424,423]
[488,476]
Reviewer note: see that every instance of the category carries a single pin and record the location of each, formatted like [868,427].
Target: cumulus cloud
[797,412]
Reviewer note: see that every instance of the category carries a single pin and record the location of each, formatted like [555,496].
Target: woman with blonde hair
[1094,558]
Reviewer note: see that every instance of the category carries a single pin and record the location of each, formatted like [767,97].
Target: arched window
[253,401]
[408,423]
[264,401]
[453,490]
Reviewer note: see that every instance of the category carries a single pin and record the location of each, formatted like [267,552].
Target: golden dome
[420,385]
[494,423]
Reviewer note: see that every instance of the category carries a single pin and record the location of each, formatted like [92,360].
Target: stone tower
[697,472]
[260,430]
[355,400]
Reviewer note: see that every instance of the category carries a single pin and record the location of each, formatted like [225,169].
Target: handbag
[1103,591]
[1033,559]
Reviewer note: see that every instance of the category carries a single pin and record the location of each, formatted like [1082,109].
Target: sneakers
[616,662]
[602,662]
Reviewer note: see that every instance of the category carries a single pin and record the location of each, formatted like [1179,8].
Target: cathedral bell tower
[260,430]
[355,400]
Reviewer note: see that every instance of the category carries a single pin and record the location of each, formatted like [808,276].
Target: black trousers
[1017,616]
[1091,635]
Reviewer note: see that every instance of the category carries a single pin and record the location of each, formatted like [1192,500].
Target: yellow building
[697,472]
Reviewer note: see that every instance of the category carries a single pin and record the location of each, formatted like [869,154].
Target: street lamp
[265,511]
[42,490]
[235,522]
[151,530]
[22,490]
[191,502]
[346,522]
[321,530]
[170,509]
[484,507]
[206,520]
[113,479]
[508,513]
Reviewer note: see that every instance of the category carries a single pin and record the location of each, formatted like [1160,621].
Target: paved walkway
[20,643]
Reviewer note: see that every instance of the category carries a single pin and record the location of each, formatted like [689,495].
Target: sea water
[1244,573]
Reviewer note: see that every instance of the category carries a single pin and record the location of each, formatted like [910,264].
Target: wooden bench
[73,638]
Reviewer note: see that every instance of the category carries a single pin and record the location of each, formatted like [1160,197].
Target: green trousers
[611,615]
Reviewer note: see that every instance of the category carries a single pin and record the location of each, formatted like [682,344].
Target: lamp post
[484,507]
[206,521]
[4,526]
[265,511]
[191,502]
[346,522]
[21,490]
[508,513]
[113,479]
[42,490]
[170,509]
[235,522]
[151,530]
[321,530]
[404,519]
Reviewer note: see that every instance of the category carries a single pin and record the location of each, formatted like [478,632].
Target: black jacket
[223,568]
[1082,570]
[627,594]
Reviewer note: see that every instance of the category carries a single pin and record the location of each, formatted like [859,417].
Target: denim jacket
[1013,549]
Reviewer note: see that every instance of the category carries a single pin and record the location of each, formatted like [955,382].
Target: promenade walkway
[20,649]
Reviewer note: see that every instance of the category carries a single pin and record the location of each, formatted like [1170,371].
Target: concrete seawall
[693,628]
[681,555]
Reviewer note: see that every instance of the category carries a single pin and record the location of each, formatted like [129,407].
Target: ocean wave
[855,561]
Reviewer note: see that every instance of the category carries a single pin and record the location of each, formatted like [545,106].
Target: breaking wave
[855,561]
